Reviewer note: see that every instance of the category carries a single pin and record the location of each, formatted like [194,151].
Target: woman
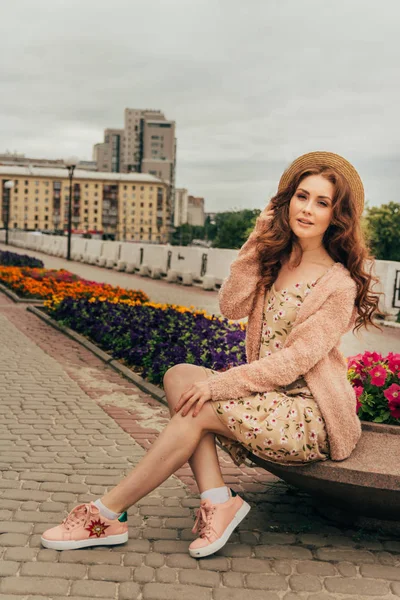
[292,402]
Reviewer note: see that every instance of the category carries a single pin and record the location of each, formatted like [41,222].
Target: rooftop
[62,173]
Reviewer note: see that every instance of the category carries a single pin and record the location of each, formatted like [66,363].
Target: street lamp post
[8,185]
[70,163]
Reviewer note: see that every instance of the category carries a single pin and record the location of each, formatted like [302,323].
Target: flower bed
[151,337]
[376,382]
[45,284]
[11,259]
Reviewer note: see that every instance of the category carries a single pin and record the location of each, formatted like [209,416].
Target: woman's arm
[236,293]
[307,344]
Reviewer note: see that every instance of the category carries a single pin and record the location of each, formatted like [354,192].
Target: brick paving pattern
[71,427]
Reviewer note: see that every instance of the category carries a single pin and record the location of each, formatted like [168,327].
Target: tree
[383,231]
[233,228]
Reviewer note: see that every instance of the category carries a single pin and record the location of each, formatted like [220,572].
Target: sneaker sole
[111,540]
[240,515]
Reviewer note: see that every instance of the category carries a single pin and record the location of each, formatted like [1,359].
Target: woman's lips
[304,224]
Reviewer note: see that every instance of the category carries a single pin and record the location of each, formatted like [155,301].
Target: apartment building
[188,209]
[123,206]
[109,155]
[14,158]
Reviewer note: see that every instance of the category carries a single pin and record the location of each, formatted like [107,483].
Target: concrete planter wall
[367,483]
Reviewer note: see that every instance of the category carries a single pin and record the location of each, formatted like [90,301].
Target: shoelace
[77,516]
[204,517]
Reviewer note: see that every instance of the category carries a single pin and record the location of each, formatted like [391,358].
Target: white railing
[188,265]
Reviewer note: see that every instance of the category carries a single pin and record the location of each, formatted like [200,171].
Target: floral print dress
[284,426]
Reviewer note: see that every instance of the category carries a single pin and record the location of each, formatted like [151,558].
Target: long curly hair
[344,241]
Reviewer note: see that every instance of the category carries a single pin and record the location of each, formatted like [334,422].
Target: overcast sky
[251,85]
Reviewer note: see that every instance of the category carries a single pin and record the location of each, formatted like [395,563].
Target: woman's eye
[300,196]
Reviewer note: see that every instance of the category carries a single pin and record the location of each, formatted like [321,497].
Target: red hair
[344,241]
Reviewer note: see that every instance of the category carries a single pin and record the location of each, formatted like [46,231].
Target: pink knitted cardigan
[311,349]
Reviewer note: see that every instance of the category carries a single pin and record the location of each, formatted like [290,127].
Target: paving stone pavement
[71,427]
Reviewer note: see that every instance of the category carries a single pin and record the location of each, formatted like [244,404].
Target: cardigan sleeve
[237,291]
[307,344]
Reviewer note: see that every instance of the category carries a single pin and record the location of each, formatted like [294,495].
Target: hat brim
[328,159]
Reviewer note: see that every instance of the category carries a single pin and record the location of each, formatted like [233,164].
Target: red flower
[355,362]
[358,390]
[394,362]
[378,375]
[369,358]
[394,408]
[392,393]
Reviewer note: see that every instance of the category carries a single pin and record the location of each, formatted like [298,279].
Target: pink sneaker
[215,522]
[84,527]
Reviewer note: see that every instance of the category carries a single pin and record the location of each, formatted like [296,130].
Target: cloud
[250,85]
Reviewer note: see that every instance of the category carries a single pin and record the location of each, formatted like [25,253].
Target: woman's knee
[182,373]
[173,374]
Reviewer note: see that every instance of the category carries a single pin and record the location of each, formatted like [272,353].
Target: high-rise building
[109,154]
[146,144]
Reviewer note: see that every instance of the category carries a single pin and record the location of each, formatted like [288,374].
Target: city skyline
[249,87]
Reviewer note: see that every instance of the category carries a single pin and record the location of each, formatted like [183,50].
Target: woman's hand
[198,392]
[265,218]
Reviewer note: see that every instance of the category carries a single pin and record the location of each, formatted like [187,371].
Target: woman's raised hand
[266,216]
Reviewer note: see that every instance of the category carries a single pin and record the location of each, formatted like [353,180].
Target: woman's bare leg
[169,452]
[204,460]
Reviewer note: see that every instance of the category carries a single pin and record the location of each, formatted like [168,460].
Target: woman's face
[312,201]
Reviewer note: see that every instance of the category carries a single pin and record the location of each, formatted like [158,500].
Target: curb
[16,298]
[151,389]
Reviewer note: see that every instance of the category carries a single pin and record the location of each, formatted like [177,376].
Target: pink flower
[393,362]
[394,408]
[392,393]
[378,375]
[369,358]
[358,390]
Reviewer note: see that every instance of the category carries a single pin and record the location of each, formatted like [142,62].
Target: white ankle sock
[216,495]
[106,512]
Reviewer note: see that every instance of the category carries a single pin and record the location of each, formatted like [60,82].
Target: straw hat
[328,159]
